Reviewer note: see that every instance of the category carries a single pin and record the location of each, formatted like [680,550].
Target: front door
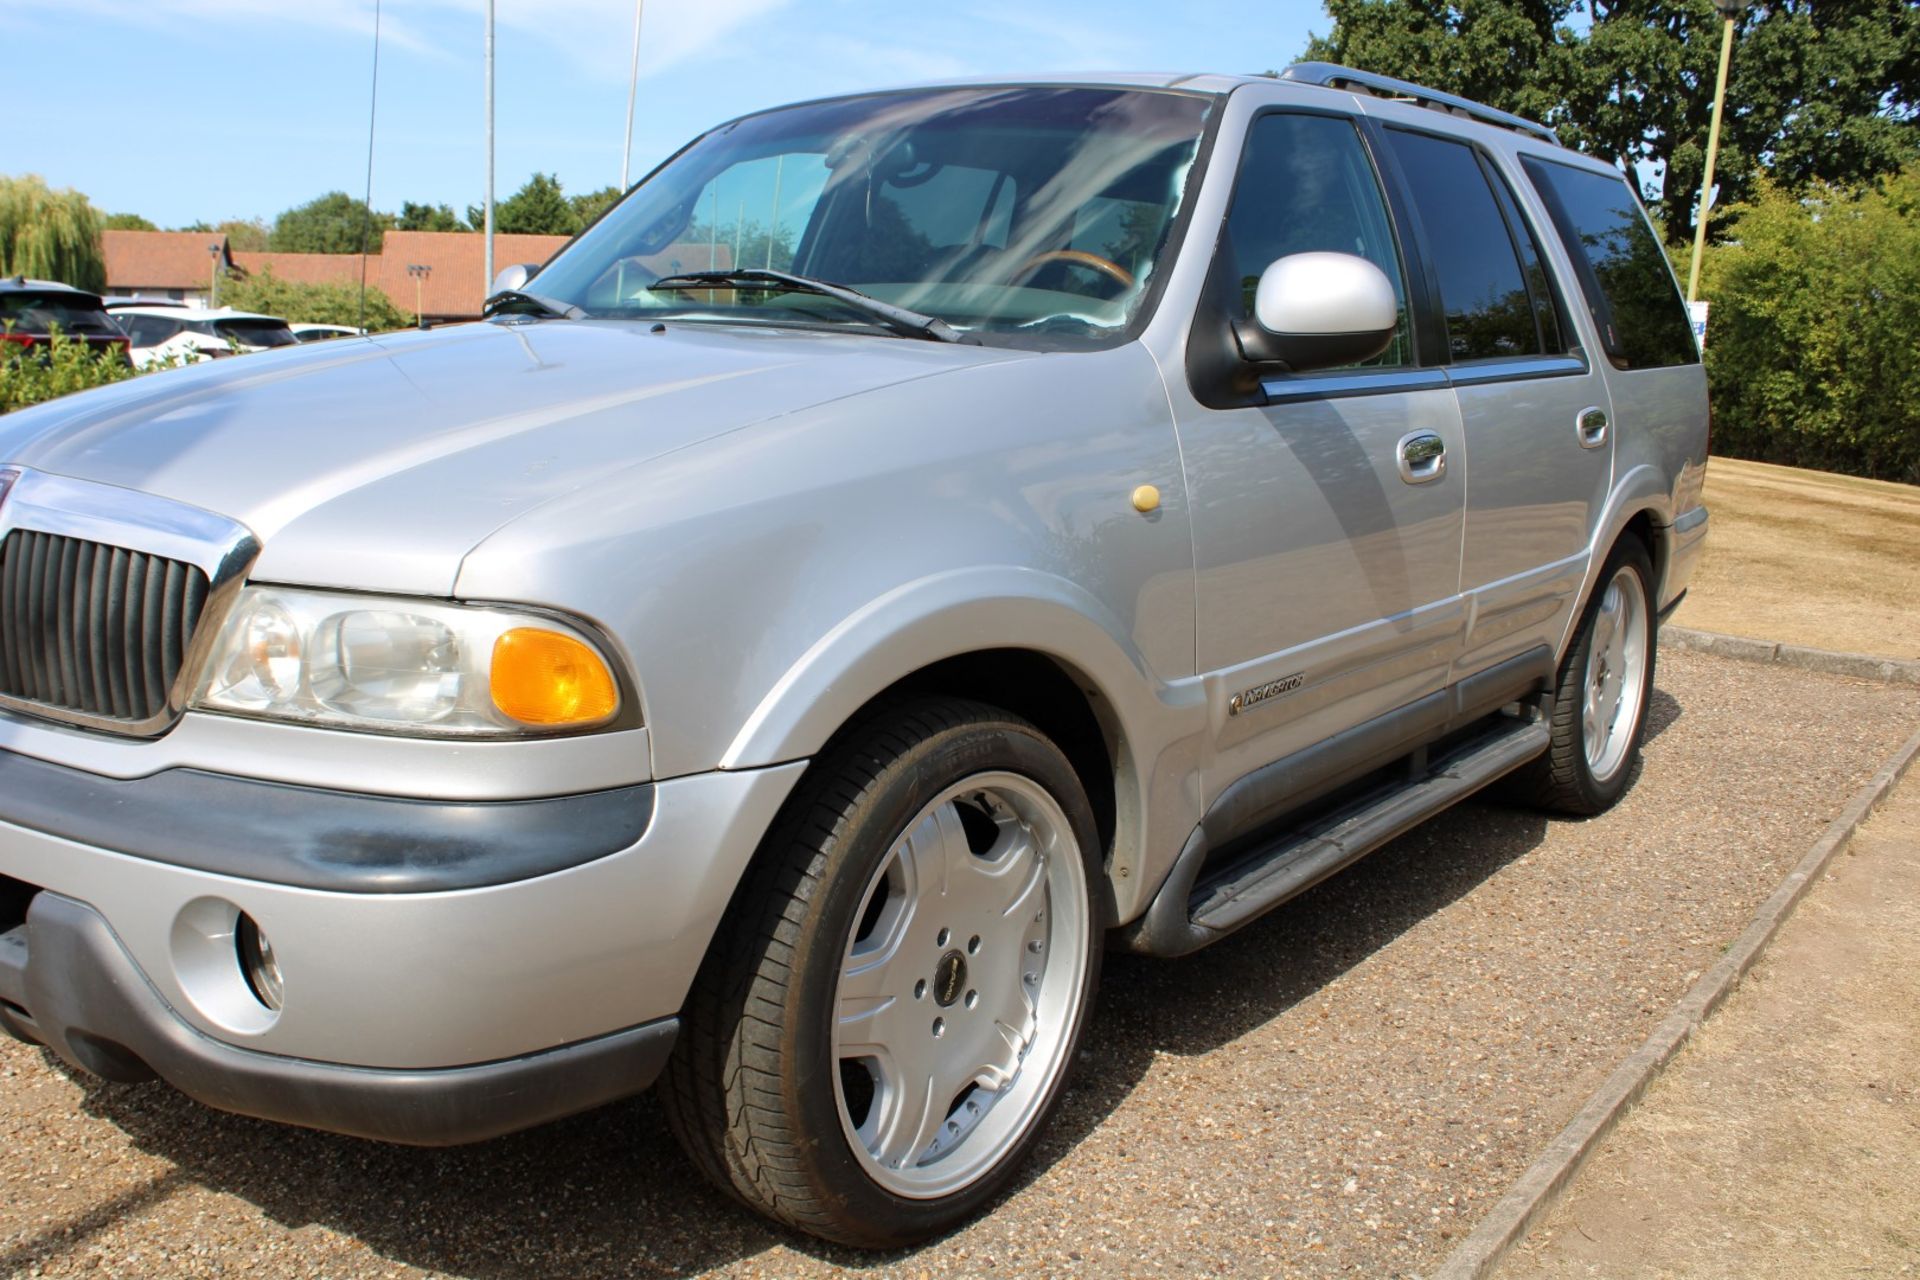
[1326,525]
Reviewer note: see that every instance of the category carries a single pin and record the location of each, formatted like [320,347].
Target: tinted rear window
[75,313]
[1635,303]
[256,333]
[148,331]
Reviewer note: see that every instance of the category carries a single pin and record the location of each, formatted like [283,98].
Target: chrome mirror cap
[1319,311]
[513,277]
[1323,294]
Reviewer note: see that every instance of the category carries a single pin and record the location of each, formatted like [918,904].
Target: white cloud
[598,34]
[182,18]
[895,64]
[595,34]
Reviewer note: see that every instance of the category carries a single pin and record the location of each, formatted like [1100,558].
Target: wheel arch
[1033,644]
[1640,506]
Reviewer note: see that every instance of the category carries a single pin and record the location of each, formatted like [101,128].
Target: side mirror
[1318,311]
[513,277]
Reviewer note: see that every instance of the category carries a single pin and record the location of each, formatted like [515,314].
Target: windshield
[1029,216]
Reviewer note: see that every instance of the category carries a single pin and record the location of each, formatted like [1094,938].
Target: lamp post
[419,271]
[213,275]
[1729,11]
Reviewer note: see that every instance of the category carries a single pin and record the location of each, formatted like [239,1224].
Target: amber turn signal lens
[543,677]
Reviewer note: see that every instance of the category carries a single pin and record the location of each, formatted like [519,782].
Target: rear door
[1533,405]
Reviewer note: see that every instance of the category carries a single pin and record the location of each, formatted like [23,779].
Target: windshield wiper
[901,320]
[519,297]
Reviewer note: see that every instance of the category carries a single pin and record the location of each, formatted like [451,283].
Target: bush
[298,303]
[1813,344]
[55,368]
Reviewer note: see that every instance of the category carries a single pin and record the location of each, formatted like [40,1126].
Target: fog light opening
[257,962]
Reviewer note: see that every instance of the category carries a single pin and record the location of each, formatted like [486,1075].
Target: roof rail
[1337,77]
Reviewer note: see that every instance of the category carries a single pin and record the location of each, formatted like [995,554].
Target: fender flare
[1641,489]
[1160,724]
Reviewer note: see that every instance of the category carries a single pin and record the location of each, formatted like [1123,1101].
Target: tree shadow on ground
[609,1194]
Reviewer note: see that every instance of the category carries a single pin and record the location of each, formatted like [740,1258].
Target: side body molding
[1155,727]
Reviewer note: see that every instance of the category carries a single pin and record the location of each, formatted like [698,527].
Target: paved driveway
[1344,1087]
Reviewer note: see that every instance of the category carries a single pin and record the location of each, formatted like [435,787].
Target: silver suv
[911,543]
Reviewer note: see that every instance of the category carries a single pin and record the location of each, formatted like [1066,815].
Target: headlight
[405,666]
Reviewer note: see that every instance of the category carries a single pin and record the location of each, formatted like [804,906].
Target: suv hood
[378,464]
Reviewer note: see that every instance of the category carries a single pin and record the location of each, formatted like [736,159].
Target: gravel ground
[1781,1144]
[1343,1088]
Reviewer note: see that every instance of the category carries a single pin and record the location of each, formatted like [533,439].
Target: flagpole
[633,92]
[488,286]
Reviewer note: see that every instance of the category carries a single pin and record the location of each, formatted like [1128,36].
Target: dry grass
[1809,558]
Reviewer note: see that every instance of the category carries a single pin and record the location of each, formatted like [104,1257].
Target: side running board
[1218,900]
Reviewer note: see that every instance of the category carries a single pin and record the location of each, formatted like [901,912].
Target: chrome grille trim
[94,628]
[109,601]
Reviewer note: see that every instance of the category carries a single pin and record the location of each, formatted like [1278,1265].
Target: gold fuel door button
[1146,499]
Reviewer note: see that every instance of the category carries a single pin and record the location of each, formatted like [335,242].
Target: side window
[1305,186]
[1546,310]
[1491,312]
[1635,303]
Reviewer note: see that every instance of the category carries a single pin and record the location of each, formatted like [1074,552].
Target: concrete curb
[1861,666]
[1527,1201]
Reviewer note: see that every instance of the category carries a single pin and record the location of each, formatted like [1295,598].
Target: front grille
[93,628]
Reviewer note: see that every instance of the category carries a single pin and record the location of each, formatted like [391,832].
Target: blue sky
[209,109]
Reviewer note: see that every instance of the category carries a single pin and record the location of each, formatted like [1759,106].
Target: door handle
[1423,457]
[1591,427]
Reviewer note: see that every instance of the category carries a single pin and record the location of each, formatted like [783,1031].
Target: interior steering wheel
[1079,257]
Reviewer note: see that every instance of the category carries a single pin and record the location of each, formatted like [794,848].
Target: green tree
[539,208]
[594,203]
[1822,91]
[1509,54]
[333,223]
[267,294]
[1812,341]
[429,217]
[126,222]
[50,235]
[244,235]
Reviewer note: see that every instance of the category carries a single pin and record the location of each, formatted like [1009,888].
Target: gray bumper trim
[67,983]
[312,838]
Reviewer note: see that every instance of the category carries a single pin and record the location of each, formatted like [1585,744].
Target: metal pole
[1713,153]
[633,92]
[487,285]
[366,208]
[778,165]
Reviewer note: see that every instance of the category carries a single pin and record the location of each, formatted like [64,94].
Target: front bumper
[431,971]
[66,982]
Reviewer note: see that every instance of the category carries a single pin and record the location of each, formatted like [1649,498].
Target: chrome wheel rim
[960,986]
[1616,675]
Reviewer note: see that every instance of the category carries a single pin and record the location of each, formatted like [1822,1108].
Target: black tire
[1563,780]
[753,1091]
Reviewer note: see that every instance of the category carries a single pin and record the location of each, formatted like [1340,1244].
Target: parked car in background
[193,334]
[1108,506]
[323,332]
[120,301]
[30,311]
